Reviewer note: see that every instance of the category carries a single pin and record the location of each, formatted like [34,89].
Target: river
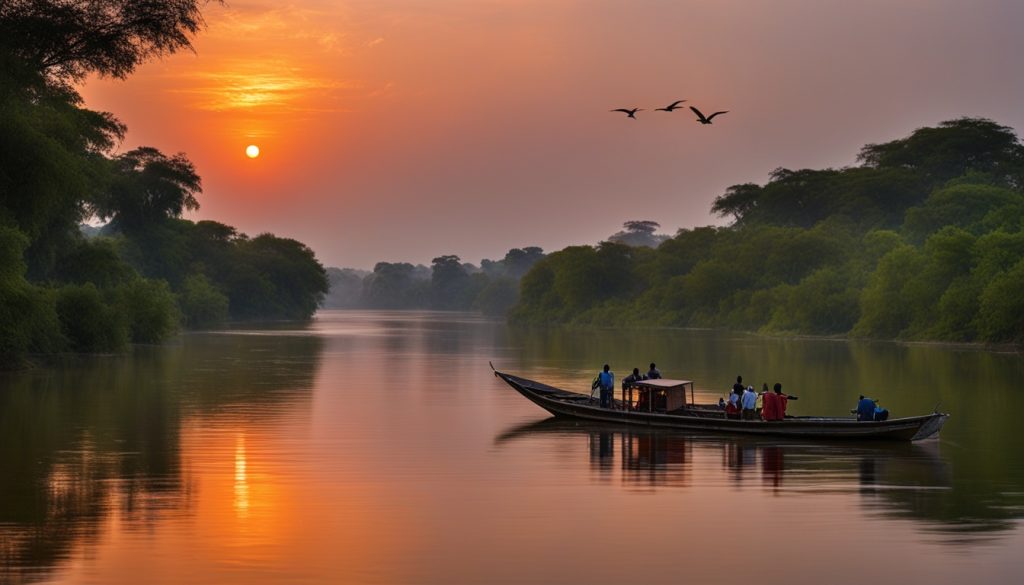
[377,447]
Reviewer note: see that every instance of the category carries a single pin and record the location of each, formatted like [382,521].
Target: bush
[89,324]
[28,316]
[202,305]
[1001,317]
[149,308]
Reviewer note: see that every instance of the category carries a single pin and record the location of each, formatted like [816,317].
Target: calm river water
[377,447]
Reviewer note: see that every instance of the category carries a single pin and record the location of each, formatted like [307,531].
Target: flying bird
[705,119]
[673,106]
[629,113]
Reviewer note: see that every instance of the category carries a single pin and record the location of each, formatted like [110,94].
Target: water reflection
[891,480]
[101,438]
[360,449]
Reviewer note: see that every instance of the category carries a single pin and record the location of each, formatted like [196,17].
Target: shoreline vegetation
[68,287]
[922,242]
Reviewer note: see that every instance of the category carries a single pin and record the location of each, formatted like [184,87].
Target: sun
[252,151]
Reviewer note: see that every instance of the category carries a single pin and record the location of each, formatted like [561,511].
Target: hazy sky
[406,129]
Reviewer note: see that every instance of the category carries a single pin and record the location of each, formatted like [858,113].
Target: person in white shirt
[749,403]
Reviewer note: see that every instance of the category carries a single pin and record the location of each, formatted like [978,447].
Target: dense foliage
[448,284]
[923,240]
[147,271]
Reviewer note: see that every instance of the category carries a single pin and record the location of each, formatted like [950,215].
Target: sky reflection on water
[375,447]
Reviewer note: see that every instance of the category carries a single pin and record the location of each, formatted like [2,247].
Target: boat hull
[569,404]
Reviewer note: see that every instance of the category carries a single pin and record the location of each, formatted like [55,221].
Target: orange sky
[406,129]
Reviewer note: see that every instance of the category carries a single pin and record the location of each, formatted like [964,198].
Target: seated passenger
[865,409]
[881,414]
[634,377]
[654,373]
[732,408]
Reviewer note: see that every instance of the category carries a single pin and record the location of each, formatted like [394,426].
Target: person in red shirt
[775,404]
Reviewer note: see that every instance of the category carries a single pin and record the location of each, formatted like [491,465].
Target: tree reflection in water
[893,480]
[104,437]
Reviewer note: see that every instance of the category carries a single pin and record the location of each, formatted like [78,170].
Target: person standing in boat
[775,404]
[606,380]
[654,373]
[749,403]
[738,387]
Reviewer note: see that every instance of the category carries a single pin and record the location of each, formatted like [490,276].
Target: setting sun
[252,151]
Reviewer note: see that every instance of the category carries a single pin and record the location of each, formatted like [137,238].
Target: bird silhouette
[705,119]
[629,113]
[671,107]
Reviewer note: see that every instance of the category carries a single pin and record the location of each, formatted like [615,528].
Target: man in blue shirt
[606,380]
[866,409]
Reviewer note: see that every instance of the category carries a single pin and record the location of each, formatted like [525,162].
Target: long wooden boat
[682,414]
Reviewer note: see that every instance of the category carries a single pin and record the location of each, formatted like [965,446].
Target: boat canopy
[661,383]
[672,393]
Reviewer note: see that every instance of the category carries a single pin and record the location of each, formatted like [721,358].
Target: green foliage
[825,302]
[88,322]
[953,149]
[1001,315]
[924,240]
[148,187]
[967,206]
[97,261]
[202,305]
[28,315]
[57,168]
[66,41]
[150,309]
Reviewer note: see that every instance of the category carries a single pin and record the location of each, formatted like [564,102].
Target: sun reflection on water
[241,479]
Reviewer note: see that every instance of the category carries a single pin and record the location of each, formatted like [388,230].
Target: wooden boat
[666,406]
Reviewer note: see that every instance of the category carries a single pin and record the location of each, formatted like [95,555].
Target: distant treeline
[923,240]
[447,284]
[147,272]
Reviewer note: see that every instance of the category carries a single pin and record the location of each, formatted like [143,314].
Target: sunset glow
[457,120]
[252,151]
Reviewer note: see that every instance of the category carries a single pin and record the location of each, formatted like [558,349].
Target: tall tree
[149,187]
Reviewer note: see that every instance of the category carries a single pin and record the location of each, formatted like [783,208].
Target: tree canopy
[64,40]
[149,271]
[923,240]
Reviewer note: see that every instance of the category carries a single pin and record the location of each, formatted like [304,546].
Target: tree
[391,286]
[518,262]
[64,40]
[638,233]
[149,187]
[449,283]
[738,201]
[952,149]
